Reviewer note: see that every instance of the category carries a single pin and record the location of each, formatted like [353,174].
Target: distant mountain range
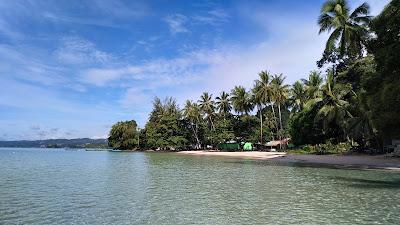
[57,143]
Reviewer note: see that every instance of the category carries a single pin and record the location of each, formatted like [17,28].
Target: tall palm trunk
[273,109]
[212,124]
[195,134]
[280,115]
[261,124]
[273,113]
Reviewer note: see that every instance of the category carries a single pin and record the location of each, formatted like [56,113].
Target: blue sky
[71,69]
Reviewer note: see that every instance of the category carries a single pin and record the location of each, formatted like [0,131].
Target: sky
[71,69]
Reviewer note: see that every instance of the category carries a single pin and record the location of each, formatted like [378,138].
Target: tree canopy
[123,135]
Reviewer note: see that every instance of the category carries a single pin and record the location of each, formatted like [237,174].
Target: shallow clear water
[51,186]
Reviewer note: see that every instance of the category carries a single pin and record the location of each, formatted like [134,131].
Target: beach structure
[281,144]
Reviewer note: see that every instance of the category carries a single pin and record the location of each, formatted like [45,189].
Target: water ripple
[67,187]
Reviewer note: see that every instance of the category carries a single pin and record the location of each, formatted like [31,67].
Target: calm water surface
[39,186]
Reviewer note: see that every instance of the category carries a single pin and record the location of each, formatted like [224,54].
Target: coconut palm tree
[224,104]
[241,100]
[333,106]
[207,106]
[280,93]
[298,96]
[349,30]
[313,84]
[259,103]
[192,113]
[262,96]
[263,91]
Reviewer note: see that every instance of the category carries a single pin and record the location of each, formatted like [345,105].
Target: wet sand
[356,161]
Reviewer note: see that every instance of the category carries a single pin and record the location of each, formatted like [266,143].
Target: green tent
[229,146]
[248,146]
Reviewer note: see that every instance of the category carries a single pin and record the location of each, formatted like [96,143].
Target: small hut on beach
[281,144]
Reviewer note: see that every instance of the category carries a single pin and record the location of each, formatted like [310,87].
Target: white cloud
[30,65]
[212,17]
[76,50]
[176,23]
[103,76]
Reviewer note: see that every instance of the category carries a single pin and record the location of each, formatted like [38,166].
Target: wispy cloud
[29,65]
[95,21]
[76,50]
[177,23]
[214,17]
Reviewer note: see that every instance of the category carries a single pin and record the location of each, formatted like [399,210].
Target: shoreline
[379,162]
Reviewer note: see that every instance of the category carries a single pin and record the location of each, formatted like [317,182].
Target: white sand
[250,154]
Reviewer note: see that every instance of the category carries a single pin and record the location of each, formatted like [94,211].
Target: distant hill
[57,143]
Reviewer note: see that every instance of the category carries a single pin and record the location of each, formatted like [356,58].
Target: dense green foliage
[166,128]
[123,135]
[354,104]
[382,88]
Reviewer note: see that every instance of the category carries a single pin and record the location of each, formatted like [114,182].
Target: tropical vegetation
[350,101]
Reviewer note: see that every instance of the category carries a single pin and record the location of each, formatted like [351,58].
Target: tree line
[355,100]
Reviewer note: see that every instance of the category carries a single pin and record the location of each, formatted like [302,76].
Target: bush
[324,149]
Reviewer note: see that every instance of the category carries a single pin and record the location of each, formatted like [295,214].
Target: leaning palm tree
[192,113]
[241,100]
[224,104]
[280,93]
[349,30]
[207,106]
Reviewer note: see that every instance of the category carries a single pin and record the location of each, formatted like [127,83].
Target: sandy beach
[355,161]
[249,155]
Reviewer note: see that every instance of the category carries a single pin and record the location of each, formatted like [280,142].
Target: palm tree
[332,103]
[262,96]
[258,101]
[313,84]
[223,104]
[349,30]
[192,113]
[298,96]
[280,93]
[207,105]
[241,100]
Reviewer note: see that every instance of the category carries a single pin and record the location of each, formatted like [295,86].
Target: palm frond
[363,9]
[363,19]
[333,38]
[325,21]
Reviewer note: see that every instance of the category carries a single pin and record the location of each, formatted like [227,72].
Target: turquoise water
[39,186]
